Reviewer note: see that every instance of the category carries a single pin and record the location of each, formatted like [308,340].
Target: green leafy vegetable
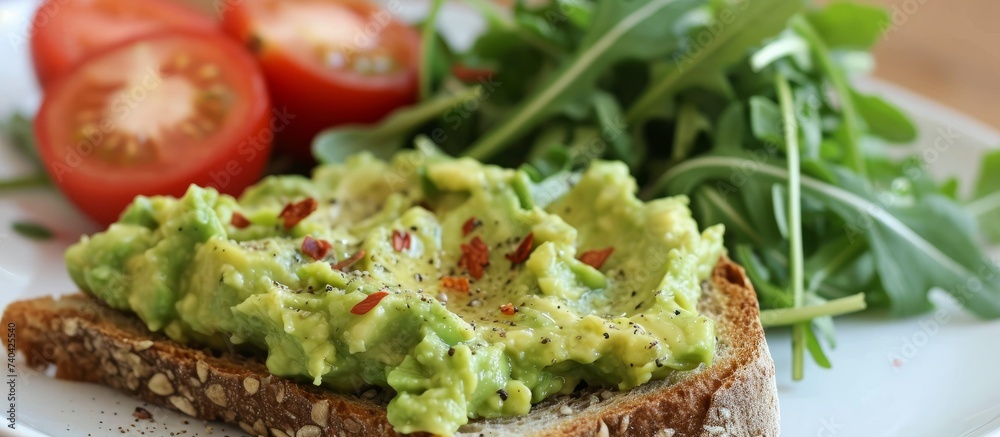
[742,25]
[389,135]
[620,30]
[18,132]
[985,205]
[32,231]
[838,79]
[884,119]
[915,248]
[850,25]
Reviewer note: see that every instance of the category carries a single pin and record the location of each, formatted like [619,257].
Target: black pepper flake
[413,228]
[545,340]
[503,394]
[607,336]
[639,305]
[451,352]
[677,312]
[659,363]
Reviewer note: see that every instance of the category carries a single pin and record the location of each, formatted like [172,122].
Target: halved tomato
[153,116]
[328,62]
[64,32]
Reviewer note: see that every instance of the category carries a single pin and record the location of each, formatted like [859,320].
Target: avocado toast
[477,294]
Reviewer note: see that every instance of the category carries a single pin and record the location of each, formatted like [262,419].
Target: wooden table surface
[948,50]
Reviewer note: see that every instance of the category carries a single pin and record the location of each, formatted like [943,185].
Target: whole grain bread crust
[87,341]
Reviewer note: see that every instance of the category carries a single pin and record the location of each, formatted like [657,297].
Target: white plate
[942,383]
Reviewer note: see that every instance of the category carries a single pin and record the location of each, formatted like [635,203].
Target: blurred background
[948,50]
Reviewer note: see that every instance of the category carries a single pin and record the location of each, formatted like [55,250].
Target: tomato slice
[328,62]
[152,116]
[64,32]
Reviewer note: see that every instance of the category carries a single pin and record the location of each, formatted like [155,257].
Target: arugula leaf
[985,204]
[18,130]
[690,122]
[850,25]
[33,231]
[729,130]
[788,44]
[500,20]
[620,30]
[765,120]
[749,23]
[815,350]
[612,124]
[915,248]
[386,137]
[884,119]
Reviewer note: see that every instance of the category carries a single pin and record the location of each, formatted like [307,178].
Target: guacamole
[470,290]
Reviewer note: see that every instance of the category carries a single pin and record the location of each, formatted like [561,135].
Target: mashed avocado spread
[469,289]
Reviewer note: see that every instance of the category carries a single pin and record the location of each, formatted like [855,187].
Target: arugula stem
[427,49]
[37,180]
[798,316]
[852,150]
[495,18]
[795,257]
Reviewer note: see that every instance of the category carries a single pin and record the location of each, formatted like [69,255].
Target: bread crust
[87,341]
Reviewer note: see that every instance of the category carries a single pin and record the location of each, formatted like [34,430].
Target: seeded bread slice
[87,341]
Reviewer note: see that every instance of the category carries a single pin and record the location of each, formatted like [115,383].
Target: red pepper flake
[349,261]
[596,258]
[470,225]
[508,309]
[475,257]
[239,221]
[523,250]
[400,240]
[457,283]
[369,302]
[295,212]
[317,249]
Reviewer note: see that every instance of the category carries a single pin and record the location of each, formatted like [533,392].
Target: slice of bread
[86,341]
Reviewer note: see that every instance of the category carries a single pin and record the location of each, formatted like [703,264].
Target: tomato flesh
[153,116]
[328,62]
[64,32]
